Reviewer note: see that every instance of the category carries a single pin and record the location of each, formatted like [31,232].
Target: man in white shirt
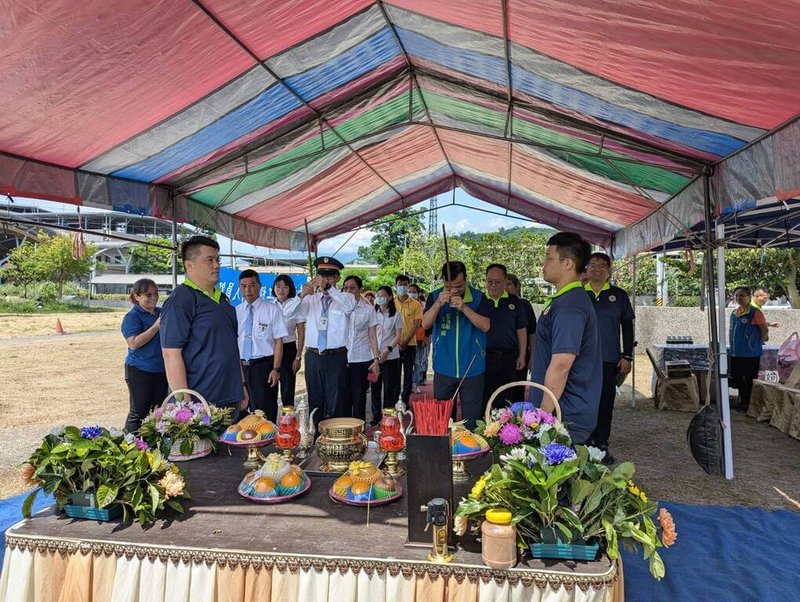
[362,349]
[261,329]
[327,311]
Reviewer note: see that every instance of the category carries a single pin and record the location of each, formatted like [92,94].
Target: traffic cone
[59,328]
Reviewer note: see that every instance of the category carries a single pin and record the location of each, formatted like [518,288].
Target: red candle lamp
[391,440]
[288,436]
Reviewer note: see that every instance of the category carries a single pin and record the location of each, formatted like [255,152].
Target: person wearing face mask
[423,342]
[327,311]
[362,349]
[411,314]
[386,390]
[459,317]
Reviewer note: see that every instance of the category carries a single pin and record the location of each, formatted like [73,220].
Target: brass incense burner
[341,441]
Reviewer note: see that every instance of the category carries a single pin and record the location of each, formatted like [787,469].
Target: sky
[457,218]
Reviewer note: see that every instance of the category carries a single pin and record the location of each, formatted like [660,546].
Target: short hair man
[362,349]
[507,339]
[199,332]
[327,311]
[514,287]
[760,298]
[567,357]
[423,341]
[411,313]
[614,316]
[459,316]
[261,331]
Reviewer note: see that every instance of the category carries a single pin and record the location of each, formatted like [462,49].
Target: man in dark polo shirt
[614,315]
[199,332]
[514,287]
[567,357]
[507,338]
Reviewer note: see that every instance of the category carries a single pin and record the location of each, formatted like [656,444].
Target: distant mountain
[509,232]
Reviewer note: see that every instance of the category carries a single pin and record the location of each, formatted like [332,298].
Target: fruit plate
[259,443]
[278,499]
[345,501]
[471,455]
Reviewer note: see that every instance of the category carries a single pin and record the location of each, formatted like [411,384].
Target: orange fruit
[290,479]
[234,428]
[266,428]
[247,435]
[264,484]
[469,441]
[359,488]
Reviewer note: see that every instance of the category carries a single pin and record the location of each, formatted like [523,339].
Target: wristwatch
[390,348]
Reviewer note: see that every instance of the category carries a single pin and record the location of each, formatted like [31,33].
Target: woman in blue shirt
[748,333]
[144,364]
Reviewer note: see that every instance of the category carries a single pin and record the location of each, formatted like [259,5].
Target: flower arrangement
[560,494]
[184,422]
[115,468]
[520,423]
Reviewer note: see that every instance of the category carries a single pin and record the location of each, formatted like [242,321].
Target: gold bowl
[341,441]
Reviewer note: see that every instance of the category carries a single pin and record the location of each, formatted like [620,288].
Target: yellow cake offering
[463,441]
[253,428]
[276,478]
[364,482]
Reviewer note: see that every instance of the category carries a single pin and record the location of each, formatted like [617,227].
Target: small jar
[498,540]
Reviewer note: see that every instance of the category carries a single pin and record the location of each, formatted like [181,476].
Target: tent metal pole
[725,403]
[174,246]
[633,361]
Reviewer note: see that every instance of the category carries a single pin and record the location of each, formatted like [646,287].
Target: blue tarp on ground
[11,513]
[726,553]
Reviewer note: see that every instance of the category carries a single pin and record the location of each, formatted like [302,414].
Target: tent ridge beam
[292,91]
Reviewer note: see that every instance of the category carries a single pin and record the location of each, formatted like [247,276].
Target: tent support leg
[174,246]
[633,360]
[725,402]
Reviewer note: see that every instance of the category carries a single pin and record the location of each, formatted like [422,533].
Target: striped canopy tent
[598,116]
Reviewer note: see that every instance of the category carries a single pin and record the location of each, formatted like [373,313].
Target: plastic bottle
[499,540]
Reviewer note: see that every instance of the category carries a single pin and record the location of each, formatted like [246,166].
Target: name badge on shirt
[323,323]
[262,327]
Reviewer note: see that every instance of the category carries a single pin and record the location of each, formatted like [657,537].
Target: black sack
[704,436]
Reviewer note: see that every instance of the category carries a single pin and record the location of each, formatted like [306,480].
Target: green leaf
[657,566]
[186,447]
[106,494]
[175,505]
[72,432]
[155,497]
[27,505]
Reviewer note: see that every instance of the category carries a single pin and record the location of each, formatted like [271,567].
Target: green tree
[392,235]
[21,266]
[54,261]
[148,259]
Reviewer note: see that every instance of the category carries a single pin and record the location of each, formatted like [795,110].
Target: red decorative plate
[259,443]
[471,455]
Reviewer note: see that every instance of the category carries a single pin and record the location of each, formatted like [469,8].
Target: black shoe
[608,459]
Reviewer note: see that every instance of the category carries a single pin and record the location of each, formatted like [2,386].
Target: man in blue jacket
[458,314]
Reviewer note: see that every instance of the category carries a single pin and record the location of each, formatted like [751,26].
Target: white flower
[595,454]
[517,453]
[561,429]
[129,438]
[58,431]
[115,433]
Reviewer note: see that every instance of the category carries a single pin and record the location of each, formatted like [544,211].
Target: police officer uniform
[507,316]
[327,325]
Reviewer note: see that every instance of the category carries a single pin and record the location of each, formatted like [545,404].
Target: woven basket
[522,383]
[200,447]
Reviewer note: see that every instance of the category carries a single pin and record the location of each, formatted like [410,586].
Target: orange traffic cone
[59,328]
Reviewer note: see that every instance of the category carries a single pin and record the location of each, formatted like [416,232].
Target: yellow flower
[173,485]
[492,429]
[637,492]
[477,489]
[668,533]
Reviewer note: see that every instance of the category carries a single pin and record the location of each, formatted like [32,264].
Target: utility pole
[433,218]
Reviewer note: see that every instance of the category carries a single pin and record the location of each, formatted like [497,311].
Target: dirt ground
[47,381]
[27,325]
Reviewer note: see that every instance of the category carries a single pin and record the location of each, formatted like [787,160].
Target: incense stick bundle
[432,416]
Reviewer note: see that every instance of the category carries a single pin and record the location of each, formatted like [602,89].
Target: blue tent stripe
[273,103]
[480,65]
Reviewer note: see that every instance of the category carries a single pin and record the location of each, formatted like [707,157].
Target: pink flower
[183,415]
[506,415]
[546,417]
[158,413]
[529,418]
[510,434]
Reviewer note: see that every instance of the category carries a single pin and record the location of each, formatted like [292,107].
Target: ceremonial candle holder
[288,436]
[391,440]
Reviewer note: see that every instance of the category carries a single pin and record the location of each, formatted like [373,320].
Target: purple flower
[506,415]
[509,434]
[141,443]
[161,426]
[555,453]
[529,418]
[527,432]
[206,419]
[158,413]
[90,432]
[546,417]
[183,416]
[525,406]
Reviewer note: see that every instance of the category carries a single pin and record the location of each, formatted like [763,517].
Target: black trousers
[408,357]
[146,390]
[288,382]
[326,382]
[501,369]
[605,411]
[743,371]
[357,385]
[386,390]
[262,396]
[470,395]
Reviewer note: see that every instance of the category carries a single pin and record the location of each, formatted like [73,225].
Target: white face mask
[381,300]
[413,295]
[402,290]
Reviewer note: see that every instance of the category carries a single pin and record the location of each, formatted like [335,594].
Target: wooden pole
[308,249]
[446,255]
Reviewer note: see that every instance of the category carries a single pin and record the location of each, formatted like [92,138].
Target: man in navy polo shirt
[567,357]
[614,315]
[199,331]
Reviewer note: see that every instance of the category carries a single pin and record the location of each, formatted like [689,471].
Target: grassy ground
[78,379]
[16,305]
